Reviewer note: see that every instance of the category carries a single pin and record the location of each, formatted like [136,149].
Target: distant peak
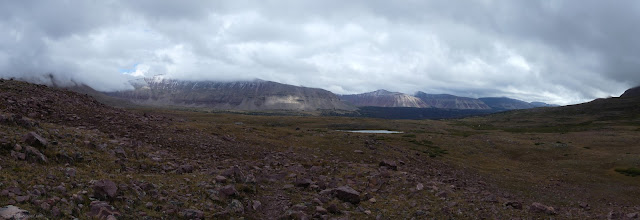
[383,92]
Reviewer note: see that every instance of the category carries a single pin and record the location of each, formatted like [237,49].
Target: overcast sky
[554,51]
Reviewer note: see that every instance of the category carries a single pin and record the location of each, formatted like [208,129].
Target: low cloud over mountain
[558,52]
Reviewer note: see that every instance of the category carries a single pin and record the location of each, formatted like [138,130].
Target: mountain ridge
[384,98]
[254,95]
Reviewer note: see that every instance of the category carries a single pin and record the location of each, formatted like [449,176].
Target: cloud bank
[560,52]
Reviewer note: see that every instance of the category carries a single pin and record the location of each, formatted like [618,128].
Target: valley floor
[85,159]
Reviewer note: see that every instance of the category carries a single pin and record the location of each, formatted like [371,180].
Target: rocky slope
[504,103]
[245,95]
[633,92]
[451,101]
[384,98]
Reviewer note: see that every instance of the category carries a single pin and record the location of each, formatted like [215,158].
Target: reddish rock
[333,208]
[389,164]
[21,199]
[515,205]
[187,168]
[192,214]
[540,208]
[105,189]
[321,210]
[347,194]
[35,140]
[102,210]
[34,154]
[303,183]
[228,190]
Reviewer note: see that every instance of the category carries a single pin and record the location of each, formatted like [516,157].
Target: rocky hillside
[451,102]
[504,103]
[245,95]
[633,92]
[384,98]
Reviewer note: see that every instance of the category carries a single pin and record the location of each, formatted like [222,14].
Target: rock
[333,208]
[419,186]
[148,205]
[298,215]
[120,153]
[228,190]
[255,205]
[584,206]
[105,189]
[70,172]
[540,208]
[236,206]
[35,140]
[633,215]
[233,172]
[21,199]
[35,153]
[55,211]
[303,183]
[221,179]
[515,205]
[442,194]
[18,155]
[321,210]
[187,168]
[372,200]
[368,212]
[615,215]
[192,214]
[389,164]
[358,151]
[347,194]
[13,212]
[102,210]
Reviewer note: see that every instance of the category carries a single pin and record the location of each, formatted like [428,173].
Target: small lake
[373,131]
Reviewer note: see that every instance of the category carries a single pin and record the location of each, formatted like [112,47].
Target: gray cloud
[555,51]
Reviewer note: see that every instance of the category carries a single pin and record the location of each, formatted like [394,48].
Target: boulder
[13,212]
[540,208]
[35,140]
[228,190]
[102,210]
[234,173]
[33,153]
[389,164]
[236,206]
[303,183]
[192,214]
[347,194]
[105,189]
[513,204]
[186,168]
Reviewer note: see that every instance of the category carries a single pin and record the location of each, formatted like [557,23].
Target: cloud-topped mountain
[504,103]
[633,92]
[239,95]
[451,101]
[384,98]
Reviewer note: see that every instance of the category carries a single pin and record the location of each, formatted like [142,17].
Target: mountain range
[260,95]
[383,98]
[240,95]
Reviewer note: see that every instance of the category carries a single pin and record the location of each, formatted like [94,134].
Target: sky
[560,51]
